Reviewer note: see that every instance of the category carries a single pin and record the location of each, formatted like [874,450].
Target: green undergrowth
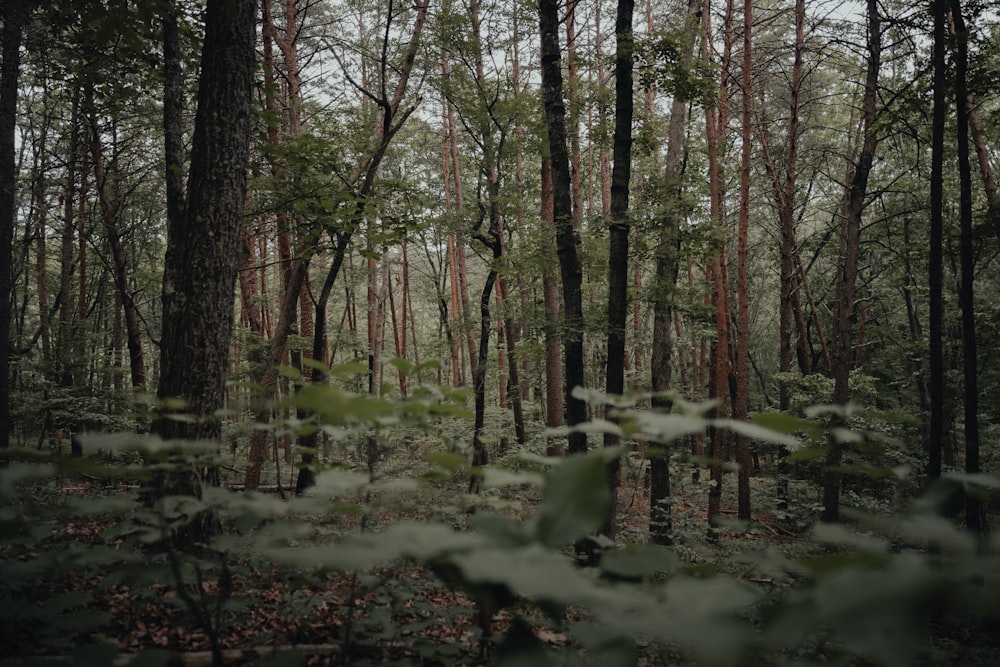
[397,565]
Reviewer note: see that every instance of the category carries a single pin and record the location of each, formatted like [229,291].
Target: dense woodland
[602,291]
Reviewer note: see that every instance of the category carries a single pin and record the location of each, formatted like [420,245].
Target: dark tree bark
[935,265]
[14,14]
[562,213]
[975,518]
[847,266]
[554,413]
[203,259]
[173,109]
[109,199]
[742,333]
[618,273]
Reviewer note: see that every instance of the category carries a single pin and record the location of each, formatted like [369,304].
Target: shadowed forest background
[462,332]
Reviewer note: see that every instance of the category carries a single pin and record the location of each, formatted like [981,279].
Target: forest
[537,332]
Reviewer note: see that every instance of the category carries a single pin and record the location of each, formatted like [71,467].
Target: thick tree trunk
[202,258]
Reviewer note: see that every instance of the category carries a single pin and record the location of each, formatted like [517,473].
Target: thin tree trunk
[553,346]
[716,121]
[664,288]
[742,333]
[975,515]
[618,273]
[562,213]
[847,270]
[108,197]
[935,265]
[14,15]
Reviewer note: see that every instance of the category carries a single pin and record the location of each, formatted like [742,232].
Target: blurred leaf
[493,476]
[756,432]
[576,499]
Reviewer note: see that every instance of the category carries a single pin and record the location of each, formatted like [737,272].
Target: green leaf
[668,427]
[450,461]
[638,561]
[756,432]
[830,533]
[576,500]
[493,476]
[315,364]
[807,454]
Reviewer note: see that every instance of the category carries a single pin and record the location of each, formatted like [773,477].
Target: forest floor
[361,618]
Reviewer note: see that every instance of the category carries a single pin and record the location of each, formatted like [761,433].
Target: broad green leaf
[493,476]
[807,454]
[450,461]
[637,561]
[315,364]
[349,369]
[830,533]
[404,366]
[786,423]
[756,432]
[336,483]
[576,499]
[982,480]
[668,427]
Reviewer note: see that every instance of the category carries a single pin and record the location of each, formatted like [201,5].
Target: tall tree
[847,264]
[202,259]
[742,332]
[618,269]
[665,283]
[717,274]
[358,184]
[562,213]
[936,386]
[975,518]
[14,14]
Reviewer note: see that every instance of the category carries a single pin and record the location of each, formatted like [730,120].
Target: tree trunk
[664,289]
[847,269]
[562,213]
[716,121]
[109,200]
[553,346]
[742,333]
[935,265]
[202,259]
[975,515]
[618,273]
[14,15]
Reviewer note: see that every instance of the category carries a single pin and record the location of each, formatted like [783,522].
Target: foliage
[868,592]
